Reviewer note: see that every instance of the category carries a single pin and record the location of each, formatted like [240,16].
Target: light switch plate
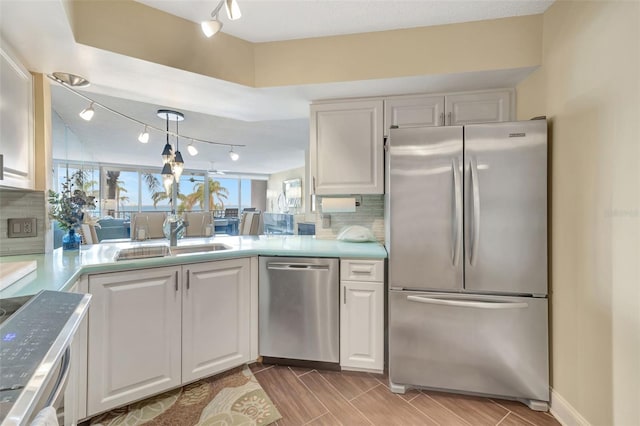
[21,227]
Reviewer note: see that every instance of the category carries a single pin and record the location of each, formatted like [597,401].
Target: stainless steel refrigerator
[467,242]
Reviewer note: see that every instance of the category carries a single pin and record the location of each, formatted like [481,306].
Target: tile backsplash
[22,204]
[370,213]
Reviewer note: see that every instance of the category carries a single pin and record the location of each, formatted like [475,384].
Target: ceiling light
[192,149]
[233,155]
[209,28]
[212,26]
[144,136]
[233,10]
[87,113]
[71,79]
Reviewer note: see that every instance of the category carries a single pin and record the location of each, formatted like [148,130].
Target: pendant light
[173,162]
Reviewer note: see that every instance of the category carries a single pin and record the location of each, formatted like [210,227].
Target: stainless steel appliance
[35,353]
[467,243]
[299,308]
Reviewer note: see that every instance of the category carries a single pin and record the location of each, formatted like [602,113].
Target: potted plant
[68,207]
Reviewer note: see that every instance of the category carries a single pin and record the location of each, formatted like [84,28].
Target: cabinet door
[413,111]
[481,107]
[361,326]
[216,317]
[16,116]
[134,336]
[346,148]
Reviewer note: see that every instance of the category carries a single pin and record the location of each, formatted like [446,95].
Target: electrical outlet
[21,227]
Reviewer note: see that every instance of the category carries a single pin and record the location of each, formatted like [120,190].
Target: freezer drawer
[469,343]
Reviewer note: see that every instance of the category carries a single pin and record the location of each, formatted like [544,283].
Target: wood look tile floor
[329,398]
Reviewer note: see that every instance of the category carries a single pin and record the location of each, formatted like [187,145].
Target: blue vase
[71,240]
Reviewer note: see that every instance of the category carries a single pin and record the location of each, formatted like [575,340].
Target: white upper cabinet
[480,107]
[410,111]
[449,110]
[16,115]
[346,147]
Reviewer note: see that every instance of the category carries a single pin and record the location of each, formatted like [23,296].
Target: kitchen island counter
[60,269]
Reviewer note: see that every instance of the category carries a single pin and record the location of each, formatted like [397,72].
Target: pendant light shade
[167,153]
[87,113]
[167,177]
[178,166]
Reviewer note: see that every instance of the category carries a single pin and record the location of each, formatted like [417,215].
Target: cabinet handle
[314,184]
[442,123]
[176,286]
[344,295]
[188,280]
[450,116]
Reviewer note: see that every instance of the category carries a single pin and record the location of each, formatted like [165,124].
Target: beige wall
[443,49]
[139,31]
[589,88]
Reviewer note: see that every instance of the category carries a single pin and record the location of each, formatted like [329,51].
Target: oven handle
[62,378]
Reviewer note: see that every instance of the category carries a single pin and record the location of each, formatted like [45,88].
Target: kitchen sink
[199,249]
[144,252]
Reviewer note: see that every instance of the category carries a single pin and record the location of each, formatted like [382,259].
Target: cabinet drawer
[362,270]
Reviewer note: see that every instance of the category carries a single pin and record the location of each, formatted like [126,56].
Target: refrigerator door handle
[475,209]
[457,219]
[468,303]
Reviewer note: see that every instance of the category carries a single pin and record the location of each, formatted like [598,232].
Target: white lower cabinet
[215,317]
[153,329]
[361,320]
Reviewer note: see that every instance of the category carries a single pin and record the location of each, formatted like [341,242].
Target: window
[122,190]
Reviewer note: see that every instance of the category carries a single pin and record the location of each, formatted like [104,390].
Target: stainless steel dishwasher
[299,308]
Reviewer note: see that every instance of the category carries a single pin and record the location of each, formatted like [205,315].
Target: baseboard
[564,412]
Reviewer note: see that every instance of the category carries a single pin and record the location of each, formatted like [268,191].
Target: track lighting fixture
[214,25]
[144,136]
[173,163]
[87,113]
[233,155]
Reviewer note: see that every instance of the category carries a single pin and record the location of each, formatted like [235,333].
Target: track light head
[233,10]
[87,113]
[143,137]
[192,149]
[209,28]
[233,155]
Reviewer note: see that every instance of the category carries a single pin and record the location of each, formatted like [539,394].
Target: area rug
[229,399]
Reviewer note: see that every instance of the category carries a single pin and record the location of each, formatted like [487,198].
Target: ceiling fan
[214,172]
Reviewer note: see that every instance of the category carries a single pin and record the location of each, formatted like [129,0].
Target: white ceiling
[268,20]
[272,122]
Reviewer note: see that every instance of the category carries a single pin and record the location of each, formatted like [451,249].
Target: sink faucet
[174,228]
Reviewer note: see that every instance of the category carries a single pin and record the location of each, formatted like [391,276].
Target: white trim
[564,412]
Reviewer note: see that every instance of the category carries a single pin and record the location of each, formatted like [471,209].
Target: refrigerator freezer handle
[468,303]
[457,219]
[475,208]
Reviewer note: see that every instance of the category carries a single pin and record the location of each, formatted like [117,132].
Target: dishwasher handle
[297,266]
